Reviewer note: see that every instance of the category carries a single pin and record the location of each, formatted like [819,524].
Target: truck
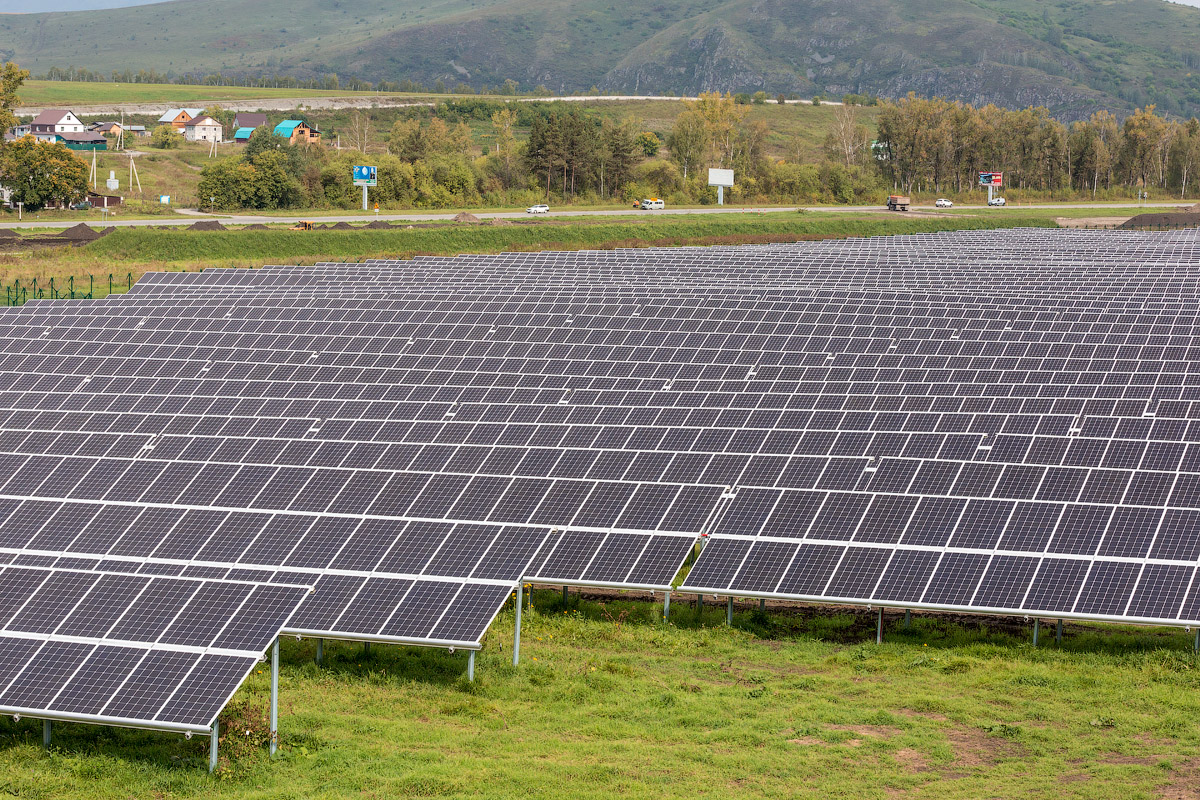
[898,202]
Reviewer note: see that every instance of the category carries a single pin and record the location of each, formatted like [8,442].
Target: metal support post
[564,597]
[45,733]
[908,618]
[699,604]
[366,649]
[212,746]
[729,610]
[1196,644]
[274,742]
[879,628]
[471,666]
[1037,627]
[364,198]
[666,605]
[517,627]
[1058,633]
[762,604]
[320,651]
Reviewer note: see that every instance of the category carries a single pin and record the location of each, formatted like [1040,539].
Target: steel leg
[879,628]
[1058,633]
[212,746]
[729,611]
[517,628]
[46,733]
[1037,627]
[666,605]
[274,741]
[320,651]
[564,597]
[471,666]
[908,618]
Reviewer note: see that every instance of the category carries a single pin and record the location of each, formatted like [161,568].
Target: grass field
[45,93]
[129,252]
[608,702]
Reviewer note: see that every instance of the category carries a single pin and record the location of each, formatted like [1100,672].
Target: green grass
[46,93]
[608,702]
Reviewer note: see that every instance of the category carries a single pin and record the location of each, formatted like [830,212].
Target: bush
[165,137]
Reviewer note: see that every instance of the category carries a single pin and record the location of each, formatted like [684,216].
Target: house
[103,200]
[178,117]
[17,131]
[82,141]
[136,130]
[246,119]
[202,128]
[242,135]
[109,128]
[297,131]
[47,125]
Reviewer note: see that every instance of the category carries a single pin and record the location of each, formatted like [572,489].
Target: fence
[20,293]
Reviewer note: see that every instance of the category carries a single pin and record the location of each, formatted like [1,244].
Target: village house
[249,119]
[177,118]
[202,128]
[297,132]
[47,125]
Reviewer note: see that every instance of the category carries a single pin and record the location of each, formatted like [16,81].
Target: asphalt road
[188,216]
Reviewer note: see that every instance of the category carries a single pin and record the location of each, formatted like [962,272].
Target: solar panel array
[142,651]
[998,421]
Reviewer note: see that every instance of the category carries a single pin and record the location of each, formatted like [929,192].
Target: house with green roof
[297,131]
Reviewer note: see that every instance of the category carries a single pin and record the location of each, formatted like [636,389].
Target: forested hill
[1073,56]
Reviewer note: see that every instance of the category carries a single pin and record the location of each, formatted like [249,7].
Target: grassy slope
[134,250]
[609,703]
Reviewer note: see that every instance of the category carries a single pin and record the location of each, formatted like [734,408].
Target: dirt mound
[379,224]
[5,233]
[341,226]
[257,226]
[108,230]
[207,225]
[79,233]
[499,221]
[1166,219]
[463,216]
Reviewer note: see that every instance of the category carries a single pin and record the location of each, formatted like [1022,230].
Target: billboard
[364,176]
[720,177]
[991,179]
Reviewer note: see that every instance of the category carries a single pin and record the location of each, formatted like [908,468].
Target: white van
[653,204]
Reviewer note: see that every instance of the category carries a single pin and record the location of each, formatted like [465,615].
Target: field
[129,252]
[53,93]
[607,702]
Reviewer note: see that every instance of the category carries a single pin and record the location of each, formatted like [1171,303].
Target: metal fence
[19,293]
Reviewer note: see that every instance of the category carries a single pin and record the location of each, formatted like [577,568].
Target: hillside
[1074,56]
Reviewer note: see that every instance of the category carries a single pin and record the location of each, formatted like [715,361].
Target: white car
[540,208]
[653,204]
[942,202]
[996,201]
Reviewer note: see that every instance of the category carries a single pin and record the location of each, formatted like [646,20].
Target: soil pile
[79,233]
[379,224]
[499,221]
[257,226]
[206,225]
[5,233]
[1188,218]
[463,216]
[341,226]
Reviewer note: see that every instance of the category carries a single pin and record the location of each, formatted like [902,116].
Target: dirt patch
[869,731]
[257,226]
[341,226]
[911,760]
[378,224]
[206,225]
[1185,785]
[5,233]
[975,748]
[807,741]
[1129,761]
[1091,222]
[465,217]
[501,221]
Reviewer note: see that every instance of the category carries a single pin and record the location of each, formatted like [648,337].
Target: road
[188,216]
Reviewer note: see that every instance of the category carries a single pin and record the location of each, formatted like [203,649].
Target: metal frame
[366,638]
[97,719]
[997,612]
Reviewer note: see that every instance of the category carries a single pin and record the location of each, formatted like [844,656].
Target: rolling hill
[1073,56]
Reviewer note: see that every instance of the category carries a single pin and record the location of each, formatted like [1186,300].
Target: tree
[264,139]
[649,143]
[358,135]
[504,139]
[722,116]
[166,137]
[42,173]
[11,78]
[847,141]
[688,141]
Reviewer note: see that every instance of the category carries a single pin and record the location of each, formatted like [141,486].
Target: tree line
[937,145]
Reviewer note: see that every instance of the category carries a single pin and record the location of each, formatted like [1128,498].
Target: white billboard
[720,177]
